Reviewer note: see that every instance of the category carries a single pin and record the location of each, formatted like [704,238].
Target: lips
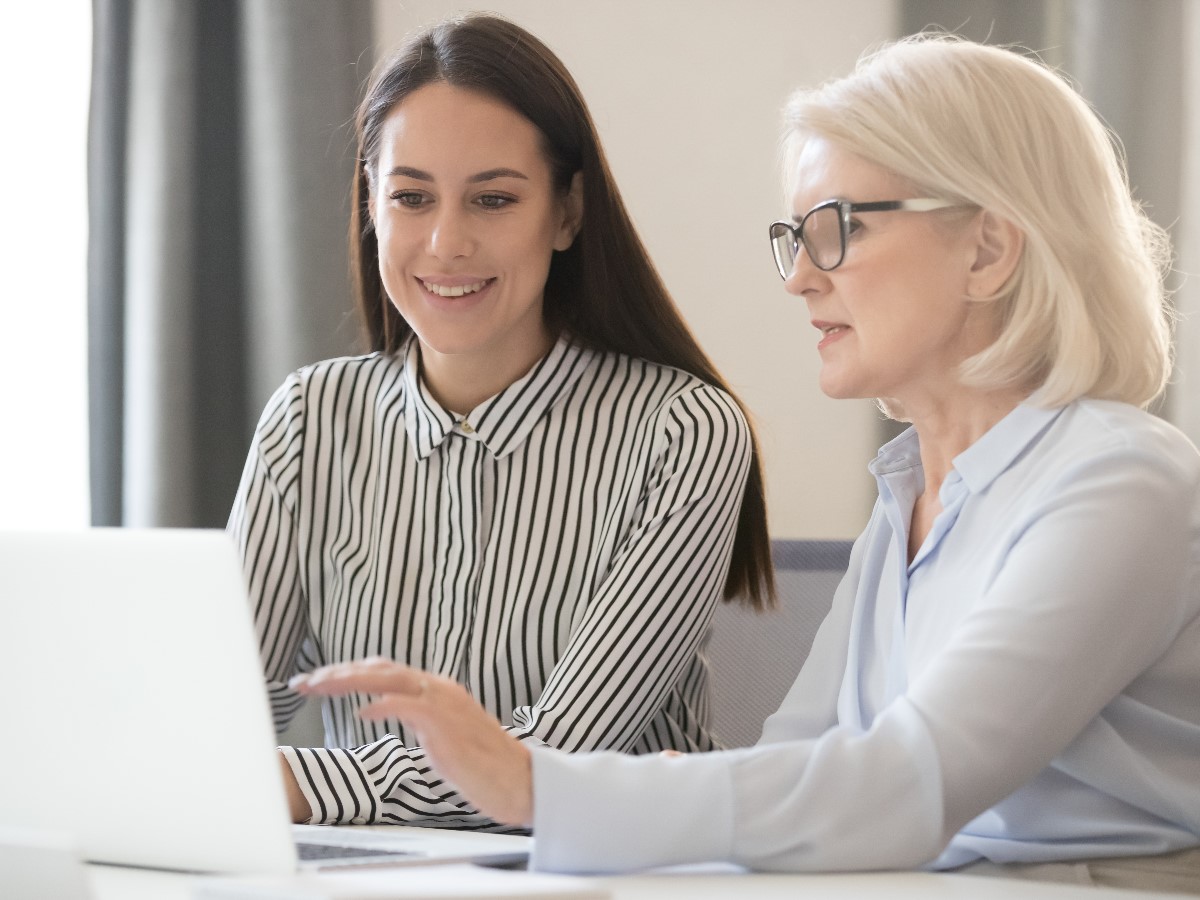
[830,331]
[455,290]
[828,328]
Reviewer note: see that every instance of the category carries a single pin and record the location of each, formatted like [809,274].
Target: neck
[950,424]
[461,381]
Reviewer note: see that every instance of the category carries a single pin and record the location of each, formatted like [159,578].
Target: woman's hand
[462,741]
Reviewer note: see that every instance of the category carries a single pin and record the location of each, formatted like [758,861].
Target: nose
[451,236]
[805,278]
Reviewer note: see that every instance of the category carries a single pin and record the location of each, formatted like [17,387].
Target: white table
[113,883]
[119,883]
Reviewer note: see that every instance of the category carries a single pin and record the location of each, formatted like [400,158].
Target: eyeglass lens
[821,233]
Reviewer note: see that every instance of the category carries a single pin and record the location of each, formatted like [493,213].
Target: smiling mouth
[455,290]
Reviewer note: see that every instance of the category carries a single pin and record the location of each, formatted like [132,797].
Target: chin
[446,341]
[848,383]
[837,390]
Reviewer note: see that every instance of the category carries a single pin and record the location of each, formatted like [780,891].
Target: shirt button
[466,428]
[358,820]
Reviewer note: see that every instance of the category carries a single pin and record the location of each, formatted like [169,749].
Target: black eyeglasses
[825,230]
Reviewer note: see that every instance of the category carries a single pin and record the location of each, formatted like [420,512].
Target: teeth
[832,328]
[458,290]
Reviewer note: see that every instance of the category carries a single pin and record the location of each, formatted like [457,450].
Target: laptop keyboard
[310,852]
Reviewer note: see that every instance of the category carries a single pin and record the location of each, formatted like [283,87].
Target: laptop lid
[136,725]
[135,719]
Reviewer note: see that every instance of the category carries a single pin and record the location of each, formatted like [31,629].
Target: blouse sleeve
[630,647]
[649,615]
[1096,587]
[262,525]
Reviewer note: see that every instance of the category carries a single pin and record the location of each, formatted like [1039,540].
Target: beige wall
[687,97]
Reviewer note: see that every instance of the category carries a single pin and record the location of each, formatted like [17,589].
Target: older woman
[1010,673]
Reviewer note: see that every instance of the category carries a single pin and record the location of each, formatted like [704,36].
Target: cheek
[397,245]
[526,250]
[392,256]
[387,232]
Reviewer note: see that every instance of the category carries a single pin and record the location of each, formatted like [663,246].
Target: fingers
[375,675]
[394,706]
[398,689]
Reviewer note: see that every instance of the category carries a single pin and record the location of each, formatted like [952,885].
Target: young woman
[1007,680]
[536,485]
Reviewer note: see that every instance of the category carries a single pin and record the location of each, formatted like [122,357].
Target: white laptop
[134,720]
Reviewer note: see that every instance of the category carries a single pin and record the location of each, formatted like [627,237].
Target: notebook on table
[135,720]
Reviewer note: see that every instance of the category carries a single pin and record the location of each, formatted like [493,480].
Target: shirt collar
[901,452]
[502,422]
[990,456]
[986,459]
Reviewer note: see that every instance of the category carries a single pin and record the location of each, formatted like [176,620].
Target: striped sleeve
[262,524]
[647,618]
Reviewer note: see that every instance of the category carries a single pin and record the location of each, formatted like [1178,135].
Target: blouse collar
[986,459]
[502,422]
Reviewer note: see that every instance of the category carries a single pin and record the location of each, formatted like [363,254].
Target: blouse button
[465,427]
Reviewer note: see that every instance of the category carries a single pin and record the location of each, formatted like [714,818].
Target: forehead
[824,171]
[443,128]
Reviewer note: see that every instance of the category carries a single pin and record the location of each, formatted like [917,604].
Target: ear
[997,248]
[572,214]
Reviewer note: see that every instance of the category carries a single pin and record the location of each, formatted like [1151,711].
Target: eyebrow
[487,175]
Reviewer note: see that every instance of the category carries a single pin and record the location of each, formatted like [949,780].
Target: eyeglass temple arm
[916,204]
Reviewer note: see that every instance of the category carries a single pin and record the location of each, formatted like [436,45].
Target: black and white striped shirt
[559,550]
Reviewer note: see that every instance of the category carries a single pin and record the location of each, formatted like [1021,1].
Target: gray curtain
[1129,60]
[1136,63]
[220,159]
[1028,23]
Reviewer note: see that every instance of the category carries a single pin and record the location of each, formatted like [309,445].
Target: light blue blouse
[1027,690]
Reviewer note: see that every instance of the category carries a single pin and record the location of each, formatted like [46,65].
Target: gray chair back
[755,657]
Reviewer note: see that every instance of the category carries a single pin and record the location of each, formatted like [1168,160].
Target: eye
[495,201]
[853,227]
[409,199]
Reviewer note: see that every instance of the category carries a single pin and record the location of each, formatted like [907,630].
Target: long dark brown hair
[603,290]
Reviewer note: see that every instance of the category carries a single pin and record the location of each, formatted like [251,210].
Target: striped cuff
[333,781]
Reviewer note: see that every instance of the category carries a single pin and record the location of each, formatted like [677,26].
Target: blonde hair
[1085,312]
